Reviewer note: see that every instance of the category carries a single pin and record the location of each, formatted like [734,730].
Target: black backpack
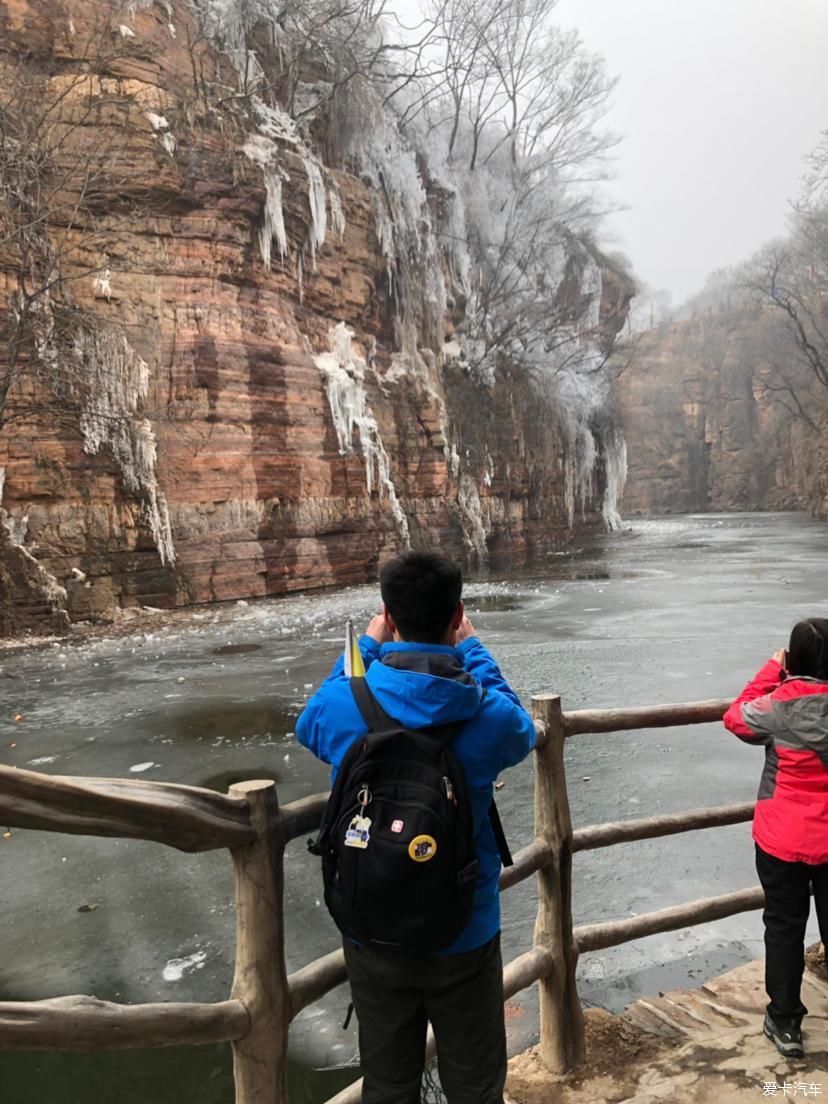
[397,836]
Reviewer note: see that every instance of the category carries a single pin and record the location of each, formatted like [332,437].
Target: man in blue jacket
[425,666]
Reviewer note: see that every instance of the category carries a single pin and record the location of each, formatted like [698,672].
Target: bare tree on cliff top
[791,279]
[517,119]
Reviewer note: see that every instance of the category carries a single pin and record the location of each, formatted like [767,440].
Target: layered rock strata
[237,475]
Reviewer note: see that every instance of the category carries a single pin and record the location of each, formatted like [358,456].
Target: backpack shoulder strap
[372,712]
[497,823]
[500,835]
[437,736]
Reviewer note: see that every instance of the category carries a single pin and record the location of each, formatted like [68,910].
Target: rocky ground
[696,1046]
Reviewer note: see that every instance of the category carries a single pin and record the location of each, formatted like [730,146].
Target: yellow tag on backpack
[422,848]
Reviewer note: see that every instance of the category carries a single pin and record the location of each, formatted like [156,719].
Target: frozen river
[668,610]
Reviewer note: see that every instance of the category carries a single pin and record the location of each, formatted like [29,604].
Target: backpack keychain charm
[359,830]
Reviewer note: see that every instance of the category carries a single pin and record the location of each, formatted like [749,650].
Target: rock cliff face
[276,441]
[706,428]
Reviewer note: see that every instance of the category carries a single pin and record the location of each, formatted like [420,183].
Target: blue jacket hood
[430,686]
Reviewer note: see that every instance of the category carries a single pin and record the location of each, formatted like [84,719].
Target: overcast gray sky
[718,102]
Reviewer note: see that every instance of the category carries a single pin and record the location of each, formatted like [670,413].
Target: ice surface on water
[176,967]
[165,906]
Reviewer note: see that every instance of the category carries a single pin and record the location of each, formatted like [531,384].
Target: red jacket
[789,716]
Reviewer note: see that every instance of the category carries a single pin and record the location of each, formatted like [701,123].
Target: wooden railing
[248,821]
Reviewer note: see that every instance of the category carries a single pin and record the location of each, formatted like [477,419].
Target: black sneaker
[787,1040]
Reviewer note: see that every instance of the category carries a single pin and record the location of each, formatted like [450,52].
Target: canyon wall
[710,425]
[278,434]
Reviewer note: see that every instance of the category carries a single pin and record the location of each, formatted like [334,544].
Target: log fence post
[260,980]
[561,1016]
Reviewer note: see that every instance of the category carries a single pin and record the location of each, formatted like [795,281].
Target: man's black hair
[808,649]
[421,591]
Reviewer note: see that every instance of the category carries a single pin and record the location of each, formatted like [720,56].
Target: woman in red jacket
[785,709]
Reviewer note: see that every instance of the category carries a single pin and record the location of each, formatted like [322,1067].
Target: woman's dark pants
[396,995]
[787,887]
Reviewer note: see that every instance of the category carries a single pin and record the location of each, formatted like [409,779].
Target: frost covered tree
[506,68]
[502,111]
[301,53]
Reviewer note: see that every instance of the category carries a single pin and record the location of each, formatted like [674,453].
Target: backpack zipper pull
[449,789]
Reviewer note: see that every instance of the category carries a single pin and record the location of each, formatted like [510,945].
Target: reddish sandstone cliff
[250,470]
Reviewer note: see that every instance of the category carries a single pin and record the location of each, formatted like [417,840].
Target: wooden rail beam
[315,980]
[185,817]
[303,817]
[528,861]
[649,716]
[84,1023]
[624,831]
[596,937]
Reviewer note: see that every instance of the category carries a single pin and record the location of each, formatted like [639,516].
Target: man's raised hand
[378,629]
[465,630]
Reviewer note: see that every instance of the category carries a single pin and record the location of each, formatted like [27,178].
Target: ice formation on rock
[335,207]
[116,381]
[102,284]
[317,200]
[264,153]
[402,220]
[15,530]
[471,517]
[276,130]
[157,122]
[162,130]
[615,459]
[344,374]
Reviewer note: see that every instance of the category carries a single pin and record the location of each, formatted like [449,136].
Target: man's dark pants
[787,887]
[396,995]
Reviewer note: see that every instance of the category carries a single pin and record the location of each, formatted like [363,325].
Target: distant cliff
[250,418]
[709,426]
